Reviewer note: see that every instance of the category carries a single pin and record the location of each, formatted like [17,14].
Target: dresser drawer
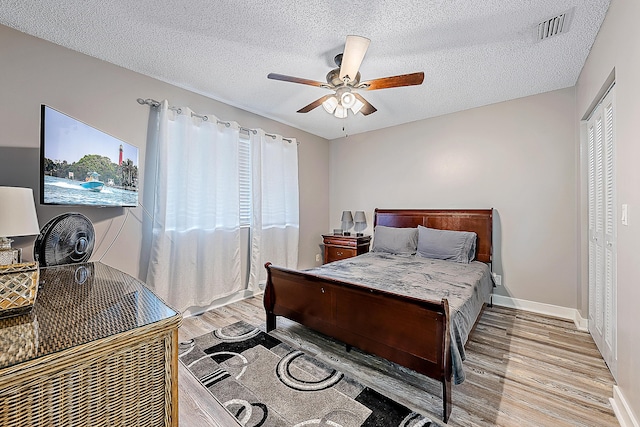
[335,253]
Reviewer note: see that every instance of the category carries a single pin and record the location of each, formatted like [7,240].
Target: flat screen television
[83,166]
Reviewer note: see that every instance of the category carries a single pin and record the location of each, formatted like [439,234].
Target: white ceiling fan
[345,82]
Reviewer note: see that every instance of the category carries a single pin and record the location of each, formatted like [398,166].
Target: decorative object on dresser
[98,349]
[341,247]
[360,220]
[347,222]
[18,280]
[396,295]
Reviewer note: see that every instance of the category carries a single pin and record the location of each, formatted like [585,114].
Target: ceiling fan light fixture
[345,82]
[340,112]
[330,104]
[357,106]
[348,100]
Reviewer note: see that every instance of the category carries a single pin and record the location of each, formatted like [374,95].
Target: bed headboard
[479,221]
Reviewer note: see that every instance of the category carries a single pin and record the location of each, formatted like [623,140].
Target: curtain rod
[155,104]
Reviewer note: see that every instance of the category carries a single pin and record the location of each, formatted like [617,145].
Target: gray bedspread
[466,286]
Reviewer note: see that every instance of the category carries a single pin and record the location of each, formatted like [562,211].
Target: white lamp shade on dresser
[18,281]
[17,212]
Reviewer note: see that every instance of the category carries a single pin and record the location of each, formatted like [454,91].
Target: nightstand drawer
[340,247]
[334,253]
[341,241]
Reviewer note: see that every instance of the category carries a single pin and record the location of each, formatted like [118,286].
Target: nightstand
[340,247]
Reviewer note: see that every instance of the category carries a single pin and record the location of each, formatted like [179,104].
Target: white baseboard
[581,323]
[238,296]
[542,308]
[622,410]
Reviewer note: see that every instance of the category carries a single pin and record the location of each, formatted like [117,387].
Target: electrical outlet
[497,279]
[317,257]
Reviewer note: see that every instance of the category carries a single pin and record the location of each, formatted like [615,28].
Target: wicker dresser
[98,349]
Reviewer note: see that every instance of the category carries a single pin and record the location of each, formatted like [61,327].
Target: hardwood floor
[523,369]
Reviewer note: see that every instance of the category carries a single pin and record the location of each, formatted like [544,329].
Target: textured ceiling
[473,52]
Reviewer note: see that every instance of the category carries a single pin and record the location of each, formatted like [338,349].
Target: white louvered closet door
[602,229]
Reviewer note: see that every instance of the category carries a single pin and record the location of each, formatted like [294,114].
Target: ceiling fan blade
[354,50]
[282,77]
[367,108]
[395,81]
[314,104]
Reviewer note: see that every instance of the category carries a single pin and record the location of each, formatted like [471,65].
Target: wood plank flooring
[523,369]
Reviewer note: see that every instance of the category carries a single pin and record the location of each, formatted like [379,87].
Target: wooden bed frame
[411,332]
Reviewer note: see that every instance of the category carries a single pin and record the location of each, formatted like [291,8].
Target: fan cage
[66,239]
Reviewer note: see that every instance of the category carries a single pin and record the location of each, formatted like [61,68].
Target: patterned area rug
[265,382]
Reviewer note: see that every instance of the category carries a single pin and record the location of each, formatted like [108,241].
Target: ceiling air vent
[554,26]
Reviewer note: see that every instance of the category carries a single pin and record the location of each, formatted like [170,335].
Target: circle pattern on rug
[283,372]
[235,338]
[415,420]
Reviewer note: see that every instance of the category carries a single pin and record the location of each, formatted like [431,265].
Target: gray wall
[103,95]
[617,48]
[517,157]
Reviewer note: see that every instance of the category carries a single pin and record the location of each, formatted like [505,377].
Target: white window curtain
[275,224]
[195,246]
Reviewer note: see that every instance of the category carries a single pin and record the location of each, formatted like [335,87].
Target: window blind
[244,166]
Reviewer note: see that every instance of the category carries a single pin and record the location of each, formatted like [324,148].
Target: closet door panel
[602,216]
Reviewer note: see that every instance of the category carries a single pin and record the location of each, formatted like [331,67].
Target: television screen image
[83,166]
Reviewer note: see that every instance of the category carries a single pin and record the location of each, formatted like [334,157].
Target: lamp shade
[330,104]
[17,212]
[357,106]
[346,216]
[340,112]
[348,100]
[360,220]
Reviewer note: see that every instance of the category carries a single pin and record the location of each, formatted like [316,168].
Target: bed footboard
[411,332]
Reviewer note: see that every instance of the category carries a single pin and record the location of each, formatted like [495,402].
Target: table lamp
[360,220]
[17,218]
[18,280]
[347,222]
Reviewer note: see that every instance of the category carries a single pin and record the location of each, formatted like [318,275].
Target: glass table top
[77,304]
